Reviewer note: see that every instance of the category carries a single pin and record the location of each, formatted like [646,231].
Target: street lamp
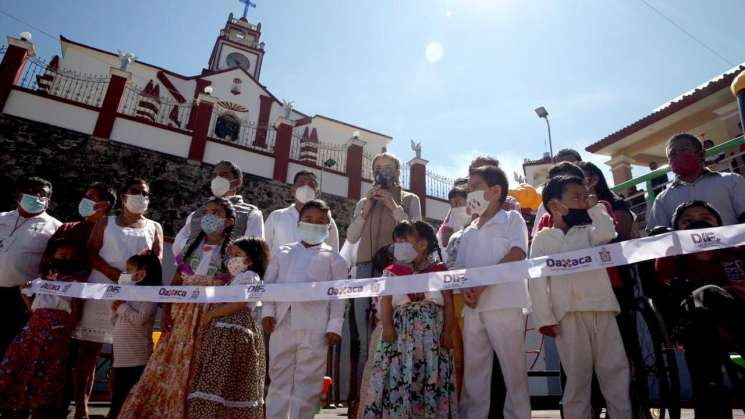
[543,113]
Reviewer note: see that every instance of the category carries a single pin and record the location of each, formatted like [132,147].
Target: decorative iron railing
[49,79]
[367,169]
[155,109]
[318,153]
[226,126]
[438,186]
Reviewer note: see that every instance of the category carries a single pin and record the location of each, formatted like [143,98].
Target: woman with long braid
[163,388]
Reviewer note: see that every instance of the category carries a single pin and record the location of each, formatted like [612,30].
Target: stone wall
[72,161]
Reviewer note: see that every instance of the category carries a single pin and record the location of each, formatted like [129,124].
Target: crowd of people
[441,354]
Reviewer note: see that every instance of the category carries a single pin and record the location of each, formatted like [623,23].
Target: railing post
[282,149]
[202,118]
[418,181]
[110,105]
[738,90]
[12,66]
[265,110]
[355,148]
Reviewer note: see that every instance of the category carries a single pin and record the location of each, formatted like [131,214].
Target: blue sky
[597,65]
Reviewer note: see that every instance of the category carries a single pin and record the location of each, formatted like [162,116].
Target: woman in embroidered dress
[230,369]
[412,373]
[162,390]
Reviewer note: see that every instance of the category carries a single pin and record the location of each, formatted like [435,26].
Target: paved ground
[99,409]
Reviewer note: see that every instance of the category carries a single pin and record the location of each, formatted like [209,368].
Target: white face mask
[305,194]
[237,265]
[126,279]
[219,186]
[404,252]
[477,202]
[459,217]
[136,204]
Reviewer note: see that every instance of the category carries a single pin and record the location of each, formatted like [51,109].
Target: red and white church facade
[223,113]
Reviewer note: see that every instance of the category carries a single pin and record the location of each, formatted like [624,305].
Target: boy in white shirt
[300,332]
[580,309]
[494,318]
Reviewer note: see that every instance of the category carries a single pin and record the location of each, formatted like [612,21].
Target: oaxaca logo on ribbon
[172,293]
[53,288]
[342,291]
[568,263]
[605,256]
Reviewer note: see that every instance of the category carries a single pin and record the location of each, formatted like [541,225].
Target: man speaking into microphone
[385,205]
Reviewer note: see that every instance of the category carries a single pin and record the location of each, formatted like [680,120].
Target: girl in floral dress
[412,373]
[230,369]
[163,388]
[32,372]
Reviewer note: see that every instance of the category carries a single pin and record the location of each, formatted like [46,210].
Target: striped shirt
[133,329]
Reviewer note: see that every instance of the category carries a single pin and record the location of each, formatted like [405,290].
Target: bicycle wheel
[655,387]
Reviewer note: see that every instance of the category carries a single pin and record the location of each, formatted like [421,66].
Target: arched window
[227,127]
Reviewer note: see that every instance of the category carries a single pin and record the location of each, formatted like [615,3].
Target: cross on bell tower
[247,4]
[239,45]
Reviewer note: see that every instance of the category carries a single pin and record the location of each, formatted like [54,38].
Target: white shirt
[281,228]
[293,263]
[581,291]
[54,302]
[22,244]
[487,246]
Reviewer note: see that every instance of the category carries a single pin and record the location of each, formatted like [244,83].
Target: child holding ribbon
[579,309]
[230,369]
[412,373]
[300,332]
[162,390]
[133,328]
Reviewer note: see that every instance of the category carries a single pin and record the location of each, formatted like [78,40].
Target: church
[222,113]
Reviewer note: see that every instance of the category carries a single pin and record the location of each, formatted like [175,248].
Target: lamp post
[543,113]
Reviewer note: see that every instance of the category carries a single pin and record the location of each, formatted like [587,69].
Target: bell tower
[239,45]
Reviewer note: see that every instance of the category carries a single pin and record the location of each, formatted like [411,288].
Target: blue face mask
[312,234]
[33,204]
[86,207]
[212,224]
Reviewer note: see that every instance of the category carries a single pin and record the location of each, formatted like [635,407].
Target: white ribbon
[600,257]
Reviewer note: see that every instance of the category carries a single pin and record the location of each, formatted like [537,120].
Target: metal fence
[155,109]
[320,154]
[438,186]
[367,170]
[47,78]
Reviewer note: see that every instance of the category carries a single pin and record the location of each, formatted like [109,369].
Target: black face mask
[577,217]
[699,224]
[67,266]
